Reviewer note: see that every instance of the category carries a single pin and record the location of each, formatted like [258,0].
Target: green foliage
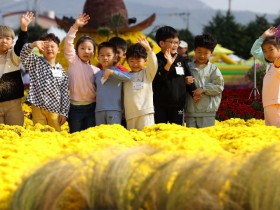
[34,32]
[104,31]
[260,72]
[116,21]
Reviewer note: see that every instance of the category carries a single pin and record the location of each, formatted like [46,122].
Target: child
[108,84]
[11,85]
[171,83]
[48,92]
[121,51]
[267,49]
[138,93]
[81,73]
[201,109]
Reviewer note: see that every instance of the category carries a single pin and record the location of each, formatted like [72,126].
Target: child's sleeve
[152,65]
[191,87]
[65,99]
[256,50]
[121,75]
[21,41]
[69,49]
[216,85]
[28,58]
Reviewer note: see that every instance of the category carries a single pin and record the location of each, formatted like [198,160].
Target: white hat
[183,44]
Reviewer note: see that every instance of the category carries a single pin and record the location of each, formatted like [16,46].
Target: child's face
[202,55]
[120,54]
[106,57]
[51,50]
[6,43]
[86,51]
[136,64]
[170,43]
[270,52]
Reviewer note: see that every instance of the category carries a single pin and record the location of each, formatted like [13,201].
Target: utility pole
[36,9]
[229,6]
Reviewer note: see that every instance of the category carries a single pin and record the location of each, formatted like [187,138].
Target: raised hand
[25,20]
[169,57]
[269,32]
[82,20]
[144,42]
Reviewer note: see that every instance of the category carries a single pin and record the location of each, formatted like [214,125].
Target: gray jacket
[210,79]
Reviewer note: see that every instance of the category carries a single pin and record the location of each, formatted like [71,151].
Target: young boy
[121,46]
[11,85]
[108,84]
[171,82]
[48,92]
[202,107]
[138,93]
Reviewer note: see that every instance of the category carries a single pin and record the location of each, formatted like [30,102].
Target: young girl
[267,49]
[81,73]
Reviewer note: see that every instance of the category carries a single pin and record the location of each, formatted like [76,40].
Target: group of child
[170,89]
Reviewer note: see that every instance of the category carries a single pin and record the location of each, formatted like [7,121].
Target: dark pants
[169,115]
[81,117]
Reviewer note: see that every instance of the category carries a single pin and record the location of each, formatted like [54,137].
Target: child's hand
[277,63]
[169,57]
[144,43]
[197,94]
[61,119]
[82,20]
[41,45]
[25,20]
[189,80]
[269,32]
[107,73]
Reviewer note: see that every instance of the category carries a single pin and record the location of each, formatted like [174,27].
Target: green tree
[276,21]
[252,31]
[187,36]
[34,32]
[227,32]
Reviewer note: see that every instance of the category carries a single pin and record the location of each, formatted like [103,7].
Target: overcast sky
[260,6]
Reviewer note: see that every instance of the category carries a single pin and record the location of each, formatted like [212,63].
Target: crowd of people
[166,87]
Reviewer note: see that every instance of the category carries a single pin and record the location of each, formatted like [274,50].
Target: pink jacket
[80,74]
[271,87]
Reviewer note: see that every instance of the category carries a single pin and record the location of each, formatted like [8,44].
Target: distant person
[267,49]
[11,85]
[48,91]
[171,84]
[138,93]
[202,107]
[109,83]
[183,49]
[81,73]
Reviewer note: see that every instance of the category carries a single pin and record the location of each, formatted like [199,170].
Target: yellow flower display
[151,169]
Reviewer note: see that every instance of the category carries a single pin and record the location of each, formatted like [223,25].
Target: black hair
[166,32]
[275,41]
[119,42]
[84,38]
[50,37]
[109,45]
[136,51]
[206,41]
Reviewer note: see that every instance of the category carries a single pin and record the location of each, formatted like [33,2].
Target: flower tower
[111,16]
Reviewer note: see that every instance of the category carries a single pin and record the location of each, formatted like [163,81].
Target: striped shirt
[48,85]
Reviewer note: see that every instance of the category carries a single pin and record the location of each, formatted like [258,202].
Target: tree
[227,32]
[252,31]
[187,36]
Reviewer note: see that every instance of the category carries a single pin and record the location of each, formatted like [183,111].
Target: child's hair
[109,45]
[119,42]
[50,37]
[84,38]
[206,41]
[136,51]
[7,31]
[275,41]
[166,32]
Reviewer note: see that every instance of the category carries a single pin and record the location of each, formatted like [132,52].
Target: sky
[269,7]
